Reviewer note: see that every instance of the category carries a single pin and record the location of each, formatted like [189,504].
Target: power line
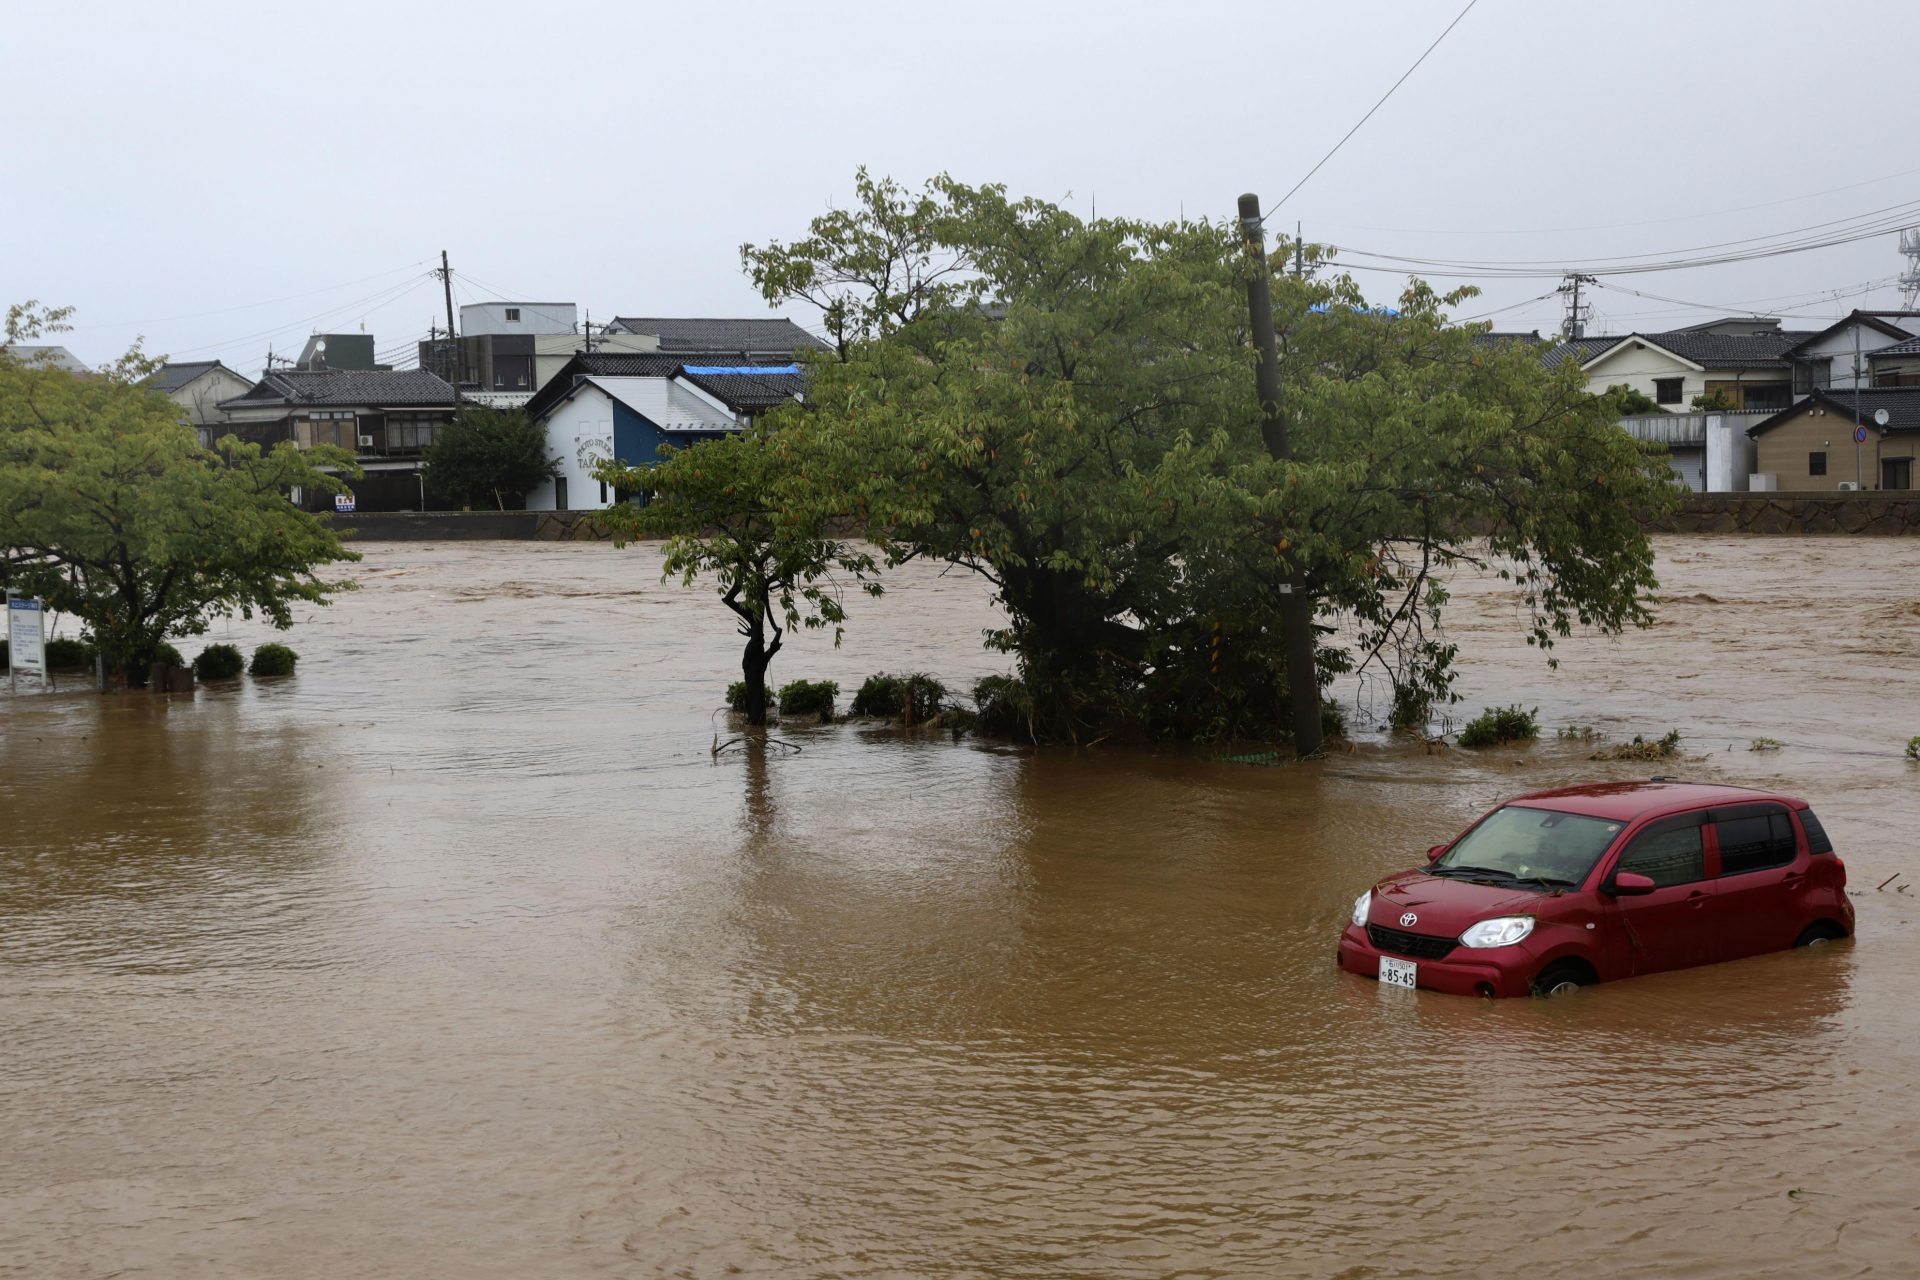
[246,306]
[371,302]
[1375,107]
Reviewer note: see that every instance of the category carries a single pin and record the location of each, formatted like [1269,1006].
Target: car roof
[1626,801]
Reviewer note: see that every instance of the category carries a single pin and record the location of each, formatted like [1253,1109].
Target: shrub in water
[273,660]
[737,696]
[1913,748]
[168,654]
[1641,749]
[219,662]
[1003,707]
[808,697]
[1496,725]
[64,653]
[1333,720]
[885,696]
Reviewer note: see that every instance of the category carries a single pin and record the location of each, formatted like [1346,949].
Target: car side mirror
[1433,854]
[1630,884]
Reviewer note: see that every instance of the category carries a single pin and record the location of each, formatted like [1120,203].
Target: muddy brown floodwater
[457,954]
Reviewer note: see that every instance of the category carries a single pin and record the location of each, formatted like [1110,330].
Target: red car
[1559,889]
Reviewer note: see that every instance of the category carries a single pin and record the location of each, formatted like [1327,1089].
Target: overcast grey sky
[173,160]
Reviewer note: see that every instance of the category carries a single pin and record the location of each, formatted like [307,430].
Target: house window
[1817,463]
[513,315]
[336,429]
[1667,390]
[410,430]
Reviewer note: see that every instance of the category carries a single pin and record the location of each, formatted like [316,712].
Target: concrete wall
[479,318]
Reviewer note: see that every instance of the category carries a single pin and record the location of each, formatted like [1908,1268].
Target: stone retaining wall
[1776,513]
[462,526]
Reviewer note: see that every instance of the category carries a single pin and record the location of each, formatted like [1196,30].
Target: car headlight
[1501,931]
[1361,905]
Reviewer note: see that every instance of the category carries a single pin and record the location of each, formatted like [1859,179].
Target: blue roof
[756,370]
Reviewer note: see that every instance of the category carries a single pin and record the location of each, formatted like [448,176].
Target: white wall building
[482,319]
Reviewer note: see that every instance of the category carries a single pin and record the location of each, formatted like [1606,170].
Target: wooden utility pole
[446,279]
[1296,608]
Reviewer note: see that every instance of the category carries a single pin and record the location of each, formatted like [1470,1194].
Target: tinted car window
[1670,852]
[1754,841]
[1519,841]
[1817,841]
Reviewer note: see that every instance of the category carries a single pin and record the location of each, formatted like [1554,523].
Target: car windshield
[1518,843]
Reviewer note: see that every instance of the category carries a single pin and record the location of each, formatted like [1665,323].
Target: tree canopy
[1067,408]
[717,505]
[111,511]
[484,454]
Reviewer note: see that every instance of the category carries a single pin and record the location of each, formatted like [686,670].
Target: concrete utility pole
[1576,323]
[1858,421]
[1296,608]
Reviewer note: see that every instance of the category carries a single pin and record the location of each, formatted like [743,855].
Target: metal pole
[1296,609]
[1857,422]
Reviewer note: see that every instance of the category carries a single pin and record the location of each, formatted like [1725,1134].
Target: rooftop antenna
[319,350]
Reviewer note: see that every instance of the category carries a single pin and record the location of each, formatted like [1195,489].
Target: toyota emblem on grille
[1409,919]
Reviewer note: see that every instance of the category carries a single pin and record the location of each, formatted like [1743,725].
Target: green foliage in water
[273,660]
[1333,721]
[1066,408]
[113,513]
[1913,748]
[485,456]
[64,653]
[887,696]
[1498,725]
[737,696]
[1662,748]
[1003,708]
[168,654]
[808,698]
[219,662]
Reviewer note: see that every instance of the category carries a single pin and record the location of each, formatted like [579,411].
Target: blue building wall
[636,441]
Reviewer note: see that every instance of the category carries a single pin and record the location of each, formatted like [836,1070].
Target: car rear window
[1817,841]
[1753,840]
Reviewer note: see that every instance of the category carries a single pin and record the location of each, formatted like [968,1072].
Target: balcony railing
[1685,430]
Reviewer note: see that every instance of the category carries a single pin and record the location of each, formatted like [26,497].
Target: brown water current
[458,954]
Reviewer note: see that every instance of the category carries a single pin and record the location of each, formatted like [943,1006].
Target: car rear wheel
[1818,932]
[1562,978]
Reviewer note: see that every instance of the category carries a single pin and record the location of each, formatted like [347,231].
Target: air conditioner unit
[366,442]
[1849,486]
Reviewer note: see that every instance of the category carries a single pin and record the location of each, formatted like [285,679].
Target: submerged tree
[1074,418]
[484,454]
[716,505]
[111,511]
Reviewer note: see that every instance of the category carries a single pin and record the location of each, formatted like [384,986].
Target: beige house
[1897,365]
[1811,447]
[198,387]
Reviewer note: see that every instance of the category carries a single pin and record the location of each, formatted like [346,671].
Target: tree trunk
[758,655]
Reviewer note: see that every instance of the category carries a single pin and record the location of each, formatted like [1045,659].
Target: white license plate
[1398,973]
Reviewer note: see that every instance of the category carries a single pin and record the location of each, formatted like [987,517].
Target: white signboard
[343,503]
[26,634]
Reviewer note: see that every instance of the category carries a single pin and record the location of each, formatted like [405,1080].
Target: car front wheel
[1562,978]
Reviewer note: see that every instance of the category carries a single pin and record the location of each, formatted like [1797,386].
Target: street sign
[26,636]
[1859,435]
[343,503]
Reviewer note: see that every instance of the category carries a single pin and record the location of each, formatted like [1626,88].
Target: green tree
[716,505]
[1630,400]
[485,454]
[111,511]
[1090,444]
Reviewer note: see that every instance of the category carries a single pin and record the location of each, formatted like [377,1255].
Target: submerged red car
[1559,889]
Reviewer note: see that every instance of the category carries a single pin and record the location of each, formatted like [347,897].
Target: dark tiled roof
[628,364]
[1708,350]
[1496,338]
[743,337]
[1911,347]
[345,387]
[1901,403]
[172,376]
[1579,350]
[747,392]
[1866,318]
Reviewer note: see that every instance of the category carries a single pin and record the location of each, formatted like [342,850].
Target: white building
[483,319]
